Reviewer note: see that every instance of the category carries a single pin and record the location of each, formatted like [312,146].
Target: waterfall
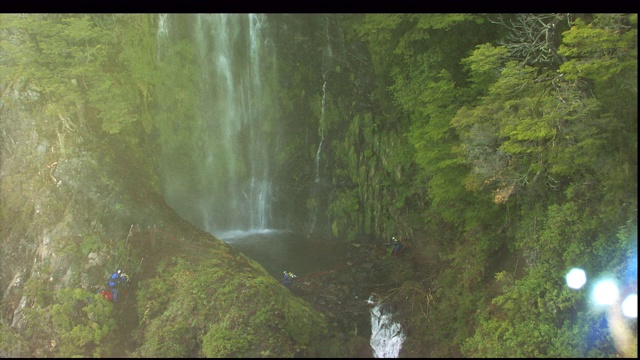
[324,95]
[316,185]
[162,35]
[229,188]
[163,27]
[386,335]
[260,190]
[326,61]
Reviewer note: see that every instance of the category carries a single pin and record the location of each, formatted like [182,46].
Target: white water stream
[386,335]
[315,194]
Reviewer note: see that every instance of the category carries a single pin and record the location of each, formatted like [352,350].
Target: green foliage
[40,289]
[535,131]
[56,54]
[381,32]
[12,345]
[345,210]
[456,132]
[219,308]
[89,331]
[600,49]
[172,337]
[222,340]
[303,324]
[433,140]
[484,65]
[86,71]
[176,94]
[538,136]
[90,243]
[79,323]
[538,317]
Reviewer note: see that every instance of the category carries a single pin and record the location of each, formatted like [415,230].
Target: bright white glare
[605,292]
[630,306]
[576,278]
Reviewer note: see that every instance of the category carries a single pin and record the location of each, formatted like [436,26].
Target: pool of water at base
[282,250]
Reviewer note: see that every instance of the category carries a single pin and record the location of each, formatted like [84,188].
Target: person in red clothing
[106,294]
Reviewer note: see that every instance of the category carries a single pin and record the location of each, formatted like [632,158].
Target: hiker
[123,279]
[398,246]
[106,294]
[123,284]
[288,278]
[113,282]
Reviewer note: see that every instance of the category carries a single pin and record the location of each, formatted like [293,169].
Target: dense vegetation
[505,145]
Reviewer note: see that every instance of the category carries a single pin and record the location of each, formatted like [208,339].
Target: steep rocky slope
[74,208]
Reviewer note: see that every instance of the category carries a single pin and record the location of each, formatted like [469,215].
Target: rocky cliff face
[73,211]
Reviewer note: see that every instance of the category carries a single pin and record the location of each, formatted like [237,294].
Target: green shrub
[77,323]
[84,323]
[11,344]
[223,340]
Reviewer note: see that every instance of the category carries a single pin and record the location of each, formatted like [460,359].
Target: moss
[302,322]
[170,336]
[224,340]
[221,306]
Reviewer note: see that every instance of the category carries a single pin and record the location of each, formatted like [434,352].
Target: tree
[83,66]
[533,38]
[568,128]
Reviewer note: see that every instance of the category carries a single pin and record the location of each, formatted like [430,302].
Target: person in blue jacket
[398,246]
[113,282]
[288,278]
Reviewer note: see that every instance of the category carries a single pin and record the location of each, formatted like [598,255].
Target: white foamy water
[386,335]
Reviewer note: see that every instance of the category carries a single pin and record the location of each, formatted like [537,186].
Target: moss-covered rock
[191,294]
[223,305]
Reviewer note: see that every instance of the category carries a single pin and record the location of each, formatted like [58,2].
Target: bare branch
[532,38]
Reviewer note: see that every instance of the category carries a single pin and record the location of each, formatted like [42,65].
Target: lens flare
[605,292]
[630,306]
[576,278]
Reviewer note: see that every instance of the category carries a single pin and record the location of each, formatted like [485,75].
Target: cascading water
[386,335]
[316,184]
[162,36]
[326,61]
[163,27]
[228,187]
[324,96]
